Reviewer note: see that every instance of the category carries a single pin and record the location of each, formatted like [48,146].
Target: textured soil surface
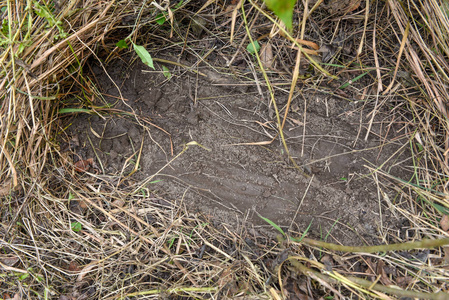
[243,175]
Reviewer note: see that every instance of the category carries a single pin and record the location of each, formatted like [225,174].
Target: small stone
[192,118]
[266,193]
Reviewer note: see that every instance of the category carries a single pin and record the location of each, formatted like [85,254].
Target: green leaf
[179,4]
[155,181]
[5,30]
[122,44]
[144,55]
[171,242]
[74,110]
[303,235]
[352,81]
[24,276]
[42,12]
[160,19]
[420,147]
[253,47]
[38,278]
[283,9]
[21,48]
[443,210]
[274,225]
[76,226]
[166,72]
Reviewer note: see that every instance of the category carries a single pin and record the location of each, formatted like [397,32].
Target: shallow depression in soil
[235,180]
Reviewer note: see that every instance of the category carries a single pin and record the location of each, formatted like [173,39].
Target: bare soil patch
[236,181]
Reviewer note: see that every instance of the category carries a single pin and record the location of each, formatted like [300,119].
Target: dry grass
[132,244]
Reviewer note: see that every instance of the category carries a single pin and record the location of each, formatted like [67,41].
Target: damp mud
[241,172]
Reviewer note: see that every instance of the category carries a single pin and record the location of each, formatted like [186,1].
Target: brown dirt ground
[235,183]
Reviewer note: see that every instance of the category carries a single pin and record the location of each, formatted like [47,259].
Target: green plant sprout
[283,9]
[76,226]
[253,47]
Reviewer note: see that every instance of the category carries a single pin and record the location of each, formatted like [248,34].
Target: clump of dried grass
[66,236]
[423,26]
[37,60]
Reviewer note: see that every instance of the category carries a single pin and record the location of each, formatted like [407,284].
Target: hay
[68,237]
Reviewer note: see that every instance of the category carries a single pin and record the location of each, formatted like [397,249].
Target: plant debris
[68,233]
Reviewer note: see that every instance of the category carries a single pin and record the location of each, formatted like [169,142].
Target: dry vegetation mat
[344,110]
